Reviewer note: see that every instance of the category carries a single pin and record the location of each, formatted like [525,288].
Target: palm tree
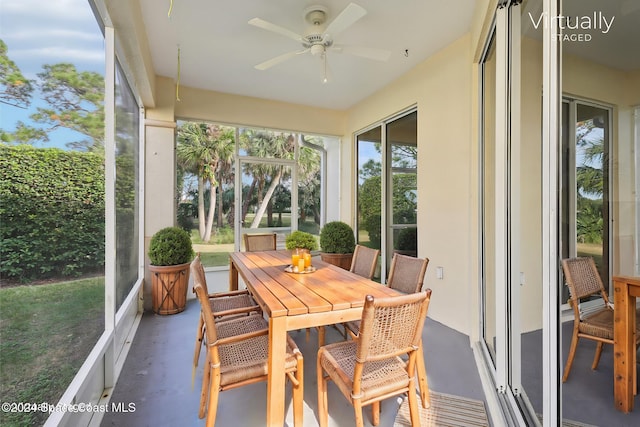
[263,144]
[204,150]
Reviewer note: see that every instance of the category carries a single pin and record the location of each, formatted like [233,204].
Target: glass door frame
[385,212]
[242,160]
[505,374]
[572,103]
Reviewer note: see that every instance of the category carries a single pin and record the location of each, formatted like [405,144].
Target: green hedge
[51,212]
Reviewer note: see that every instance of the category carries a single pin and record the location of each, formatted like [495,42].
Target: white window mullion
[514,204]
[110,214]
[501,199]
[551,102]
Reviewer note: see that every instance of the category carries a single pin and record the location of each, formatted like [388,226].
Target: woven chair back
[407,273]
[207,314]
[582,278]
[260,242]
[391,326]
[364,261]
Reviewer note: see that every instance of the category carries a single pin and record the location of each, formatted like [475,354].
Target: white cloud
[39,32]
[58,10]
[59,54]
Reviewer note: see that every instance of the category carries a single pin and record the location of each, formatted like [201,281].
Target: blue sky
[39,32]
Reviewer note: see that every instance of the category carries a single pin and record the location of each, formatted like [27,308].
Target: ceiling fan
[318,38]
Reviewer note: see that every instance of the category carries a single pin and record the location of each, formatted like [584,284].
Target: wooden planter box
[169,286]
[340,260]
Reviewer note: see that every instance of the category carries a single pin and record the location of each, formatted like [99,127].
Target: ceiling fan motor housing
[314,39]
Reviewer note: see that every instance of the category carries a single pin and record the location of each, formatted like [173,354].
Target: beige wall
[233,109]
[441,88]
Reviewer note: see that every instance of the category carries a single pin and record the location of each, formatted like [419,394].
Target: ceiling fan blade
[278,59]
[345,19]
[364,52]
[266,25]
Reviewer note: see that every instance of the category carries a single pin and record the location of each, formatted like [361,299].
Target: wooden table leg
[233,276]
[422,379]
[276,375]
[623,346]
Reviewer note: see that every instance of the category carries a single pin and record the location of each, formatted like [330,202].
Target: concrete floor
[157,376]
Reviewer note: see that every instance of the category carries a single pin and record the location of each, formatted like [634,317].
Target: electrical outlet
[440,273]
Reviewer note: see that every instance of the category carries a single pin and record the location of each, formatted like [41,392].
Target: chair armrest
[228,294]
[241,310]
[240,337]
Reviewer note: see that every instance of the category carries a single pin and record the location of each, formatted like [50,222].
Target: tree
[309,197]
[75,101]
[203,150]
[590,183]
[15,88]
[264,144]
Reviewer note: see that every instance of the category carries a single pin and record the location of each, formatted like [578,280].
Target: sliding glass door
[558,156]
[387,191]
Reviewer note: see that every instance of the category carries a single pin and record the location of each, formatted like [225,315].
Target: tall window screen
[127,187]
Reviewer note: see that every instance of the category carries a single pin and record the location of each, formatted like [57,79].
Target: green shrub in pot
[170,252]
[170,246]
[337,237]
[337,244]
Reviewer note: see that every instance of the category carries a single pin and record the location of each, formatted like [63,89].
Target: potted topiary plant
[301,240]
[337,243]
[170,252]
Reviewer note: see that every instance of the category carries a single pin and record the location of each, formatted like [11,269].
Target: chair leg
[199,339]
[413,405]
[214,391]
[422,379]
[596,357]
[349,333]
[375,413]
[572,354]
[206,385]
[298,394]
[323,409]
[357,407]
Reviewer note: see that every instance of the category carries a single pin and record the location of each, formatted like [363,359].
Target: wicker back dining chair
[370,369]
[223,304]
[405,275]
[238,358]
[260,242]
[364,261]
[583,280]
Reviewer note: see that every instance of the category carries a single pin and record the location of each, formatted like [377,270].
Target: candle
[294,259]
[307,260]
[300,264]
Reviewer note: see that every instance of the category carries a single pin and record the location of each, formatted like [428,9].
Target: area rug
[445,410]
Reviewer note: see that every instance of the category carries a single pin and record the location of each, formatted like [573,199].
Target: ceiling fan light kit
[318,39]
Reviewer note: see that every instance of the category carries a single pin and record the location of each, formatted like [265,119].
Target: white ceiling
[218,48]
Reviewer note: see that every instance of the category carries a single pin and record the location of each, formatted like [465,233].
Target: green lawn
[46,333]
[216,252]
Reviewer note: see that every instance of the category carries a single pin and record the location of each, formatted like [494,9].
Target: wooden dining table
[625,291]
[293,301]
